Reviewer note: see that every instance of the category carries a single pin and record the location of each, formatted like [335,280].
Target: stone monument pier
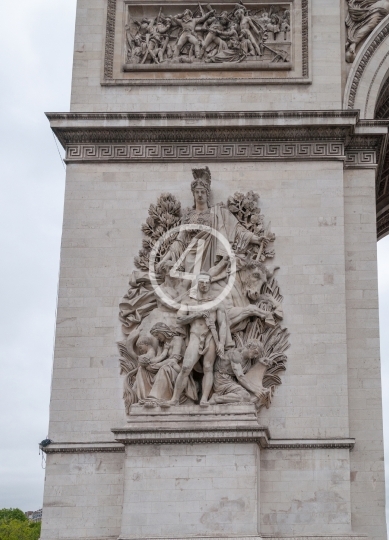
[217,368]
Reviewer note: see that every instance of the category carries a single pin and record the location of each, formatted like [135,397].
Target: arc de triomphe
[217,368]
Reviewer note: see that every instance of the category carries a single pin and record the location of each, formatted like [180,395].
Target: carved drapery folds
[172,38]
[362,18]
[202,316]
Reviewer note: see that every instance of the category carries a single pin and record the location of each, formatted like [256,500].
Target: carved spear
[159,15]
[268,236]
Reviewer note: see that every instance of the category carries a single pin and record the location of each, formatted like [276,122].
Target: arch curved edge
[368,72]
[383,221]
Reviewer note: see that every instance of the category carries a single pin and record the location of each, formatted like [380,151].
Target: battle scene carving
[363,17]
[201,320]
[242,36]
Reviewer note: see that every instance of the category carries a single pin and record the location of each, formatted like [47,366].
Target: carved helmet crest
[202,177]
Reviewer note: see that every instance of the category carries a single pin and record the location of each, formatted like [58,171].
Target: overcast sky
[36,43]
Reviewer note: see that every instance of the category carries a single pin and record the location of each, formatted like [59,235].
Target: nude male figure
[206,340]
[247,25]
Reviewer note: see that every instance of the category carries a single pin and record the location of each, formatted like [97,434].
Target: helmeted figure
[217,217]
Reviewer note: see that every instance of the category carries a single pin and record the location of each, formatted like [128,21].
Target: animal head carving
[254,276]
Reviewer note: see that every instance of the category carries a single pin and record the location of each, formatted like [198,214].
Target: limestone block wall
[305,492]
[104,209]
[364,371]
[191,490]
[322,216]
[83,496]
[325,92]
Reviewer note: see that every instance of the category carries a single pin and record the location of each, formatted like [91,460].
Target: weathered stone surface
[311,465]
[190,490]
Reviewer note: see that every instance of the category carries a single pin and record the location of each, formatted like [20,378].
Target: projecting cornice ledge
[215,136]
[258,436]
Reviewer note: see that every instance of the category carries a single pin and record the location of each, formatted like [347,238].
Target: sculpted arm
[258,240]
[161,357]
[176,20]
[205,17]
[175,354]
[184,316]
[222,322]
[219,270]
[252,25]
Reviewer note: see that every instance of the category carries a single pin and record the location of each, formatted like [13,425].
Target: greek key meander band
[238,151]
[361,158]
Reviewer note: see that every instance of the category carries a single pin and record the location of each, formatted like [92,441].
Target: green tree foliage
[9,514]
[14,525]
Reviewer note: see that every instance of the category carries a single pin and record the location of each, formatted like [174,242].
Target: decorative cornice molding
[259,435]
[308,444]
[377,123]
[77,153]
[110,39]
[204,81]
[190,436]
[211,115]
[230,135]
[201,135]
[83,448]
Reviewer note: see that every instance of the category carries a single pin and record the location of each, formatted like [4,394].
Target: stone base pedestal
[216,423]
[187,490]
[204,484]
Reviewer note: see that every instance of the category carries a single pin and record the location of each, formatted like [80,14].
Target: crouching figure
[238,376]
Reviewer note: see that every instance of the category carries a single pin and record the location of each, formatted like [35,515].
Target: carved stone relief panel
[201,319]
[172,42]
[192,37]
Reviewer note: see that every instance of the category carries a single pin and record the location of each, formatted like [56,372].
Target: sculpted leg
[181,42]
[196,44]
[190,359]
[209,361]
[237,396]
[207,41]
[255,44]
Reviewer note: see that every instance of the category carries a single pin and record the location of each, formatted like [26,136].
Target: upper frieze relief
[177,37]
[174,42]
